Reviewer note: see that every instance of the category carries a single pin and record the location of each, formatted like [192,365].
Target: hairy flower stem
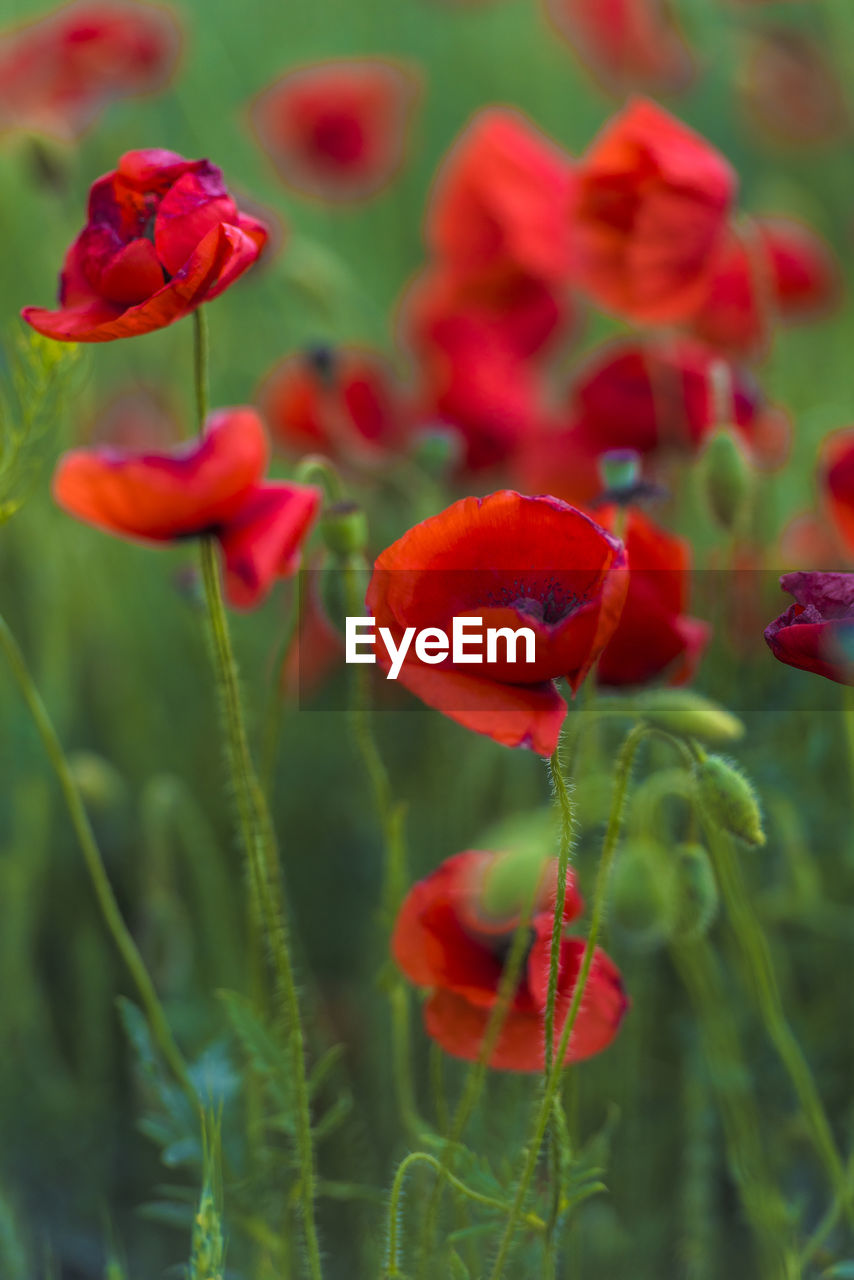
[259,847]
[622,776]
[119,931]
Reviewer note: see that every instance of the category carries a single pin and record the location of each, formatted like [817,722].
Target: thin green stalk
[259,847]
[278,696]
[201,361]
[622,776]
[119,931]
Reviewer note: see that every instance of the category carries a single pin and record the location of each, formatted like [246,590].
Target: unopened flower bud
[344,529]
[526,841]
[689,715]
[696,893]
[728,800]
[437,450]
[726,477]
[100,784]
[643,895]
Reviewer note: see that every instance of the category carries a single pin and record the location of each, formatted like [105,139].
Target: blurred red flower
[651,215]
[512,561]
[163,236]
[774,269]
[816,633]
[337,129]
[654,637]
[627,44]
[836,480]
[59,72]
[654,397]
[341,401]
[790,88]
[211,486]
[446,940]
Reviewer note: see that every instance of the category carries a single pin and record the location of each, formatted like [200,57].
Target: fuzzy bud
[344,529]
[643,895]
[689,715]
[696,894]
[728,800]
[526,842]
[726,476]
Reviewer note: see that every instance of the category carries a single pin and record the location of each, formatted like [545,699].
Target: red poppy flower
[337,129]
[654,636]
[501,201]
[790,88]
[58,73]
[342,402]
[163,236]
[816,633]
[444,939]
[654,398]
[836,477]
[627,44]
[211,486]
[511,561]
[653,202]
[775,269]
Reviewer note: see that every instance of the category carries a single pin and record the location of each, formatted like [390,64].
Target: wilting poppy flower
[511,561]
[337,129]
[654,637]
[163,236]
[58,73]
[775,268]
[653,203]
[445,939]
[816,633]
[501,202]
[790,88]
[339,401]
[210,486]
[627,44]
[655,398]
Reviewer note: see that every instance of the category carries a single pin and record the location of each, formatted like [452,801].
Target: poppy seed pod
[728,800]
[726,477]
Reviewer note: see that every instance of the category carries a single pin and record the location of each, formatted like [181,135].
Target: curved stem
[119,931]
[622,775]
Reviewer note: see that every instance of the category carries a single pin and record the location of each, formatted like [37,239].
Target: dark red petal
[263,540]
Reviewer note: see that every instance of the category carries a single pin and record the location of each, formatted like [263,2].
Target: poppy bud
[527,841]
[101,786]
[643,895]
[344,529]
[696,894]
[726,477]
[728,800]
[619,471]
[689,715]
[438,451]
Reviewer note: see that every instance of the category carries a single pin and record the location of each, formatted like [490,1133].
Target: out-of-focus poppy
[337,130]
[790,88]
[208,487]
[341,401]
[655,398]
[163,236]
[816,633]
[59,72]
[652,209]
[627,44]
[836,480]
[774,269]
[446,940]
[510,561]
[655,636]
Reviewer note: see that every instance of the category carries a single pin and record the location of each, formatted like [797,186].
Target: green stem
[259,848]
[622,776]
[121,935]
[201,361]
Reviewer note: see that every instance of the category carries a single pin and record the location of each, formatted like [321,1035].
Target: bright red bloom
[163,236]
[512,561]
[342,402]
[445,940]
[654,398]
[210,486]
[791,90]
[653,203]
[58,73]
[776,269]
[816,633]
[836,477]
[654,636]
[627,44]
[501,201]
[337,129]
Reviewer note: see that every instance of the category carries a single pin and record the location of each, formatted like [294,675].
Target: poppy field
[427,640]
